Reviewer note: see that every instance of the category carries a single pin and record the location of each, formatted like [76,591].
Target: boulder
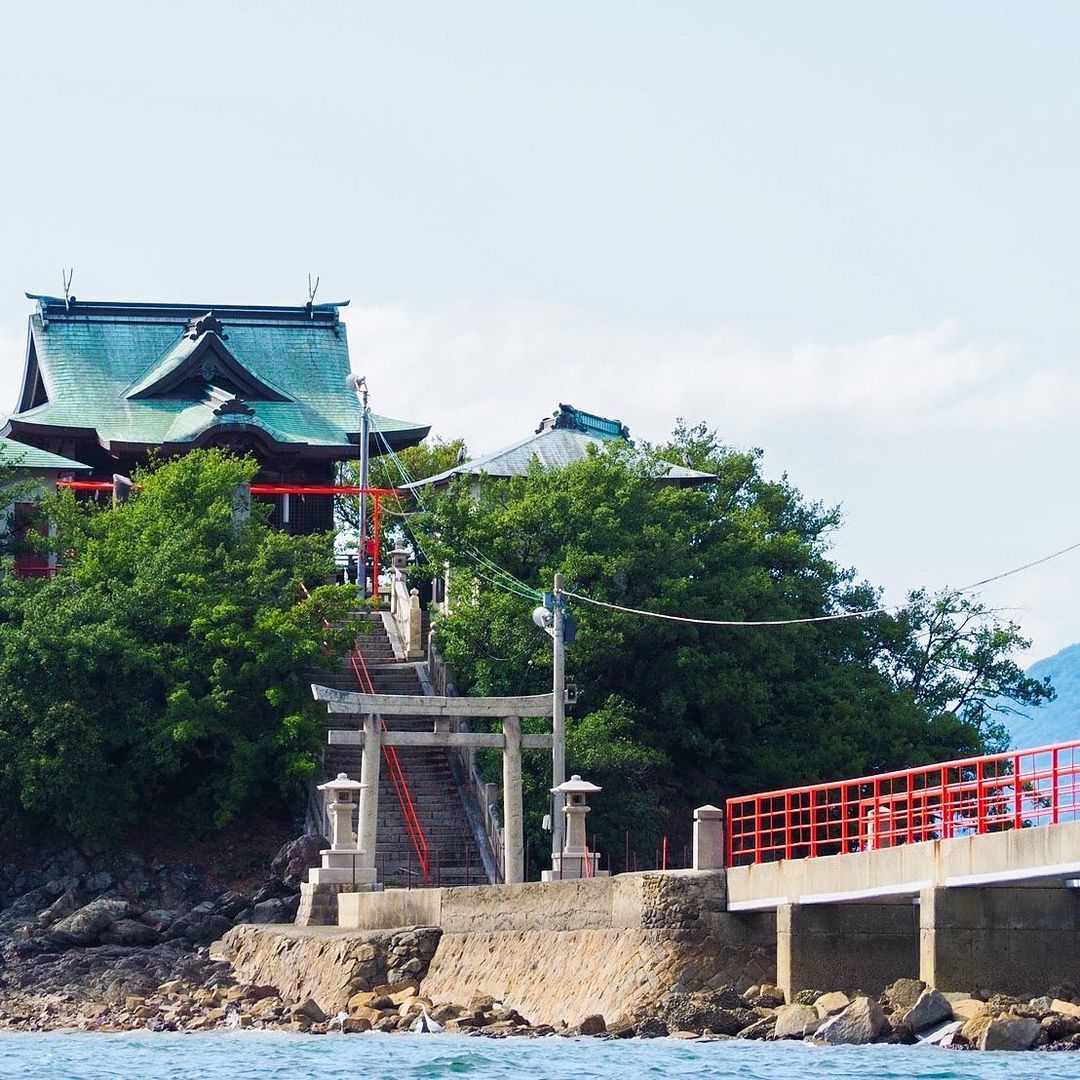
[99,882]
[795,1021]
[903,993]
[830,1004]
[709,1009]
[129,932]
[930,1008]
[1010,1033]
[968,1009]
[972,1031]
[1066,1008]
[808,997]
[1059,1027]
[592,1025]
[90,920]
[296,858]
[651,1027]
[760,1029]
[309,1010]
[942,1034]
[280,910]
[64,905]
[860,1023]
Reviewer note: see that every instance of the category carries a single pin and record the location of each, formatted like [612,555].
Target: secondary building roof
[18,455]
[137,375]
[561,439]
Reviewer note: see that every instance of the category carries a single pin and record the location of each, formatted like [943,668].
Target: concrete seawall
[564,950]
[555,952]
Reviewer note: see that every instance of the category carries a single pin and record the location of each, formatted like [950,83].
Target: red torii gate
[376,494]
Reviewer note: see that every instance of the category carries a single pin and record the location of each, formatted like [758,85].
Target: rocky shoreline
[118,943]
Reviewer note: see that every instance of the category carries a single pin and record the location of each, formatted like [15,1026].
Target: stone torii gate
[371,738]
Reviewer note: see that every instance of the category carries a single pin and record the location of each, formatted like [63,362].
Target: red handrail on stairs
[393,764]
[397,774]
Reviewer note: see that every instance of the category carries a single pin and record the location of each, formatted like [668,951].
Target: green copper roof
[561,439]
[21,456]
[150,374]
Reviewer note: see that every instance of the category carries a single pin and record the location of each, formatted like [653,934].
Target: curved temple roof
[563,438]
[140,374]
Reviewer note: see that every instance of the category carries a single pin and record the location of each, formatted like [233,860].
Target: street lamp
[358,385]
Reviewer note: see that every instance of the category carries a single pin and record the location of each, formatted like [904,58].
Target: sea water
[250,1055]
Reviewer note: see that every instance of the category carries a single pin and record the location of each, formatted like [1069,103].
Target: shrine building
[106,385]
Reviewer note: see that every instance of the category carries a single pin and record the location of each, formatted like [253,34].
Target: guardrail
[1016,790]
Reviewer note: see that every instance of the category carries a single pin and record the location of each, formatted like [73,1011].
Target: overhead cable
[817,618]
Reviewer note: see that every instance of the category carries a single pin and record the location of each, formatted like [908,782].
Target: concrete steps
[454,856]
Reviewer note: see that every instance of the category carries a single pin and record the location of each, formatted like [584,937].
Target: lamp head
[543,618]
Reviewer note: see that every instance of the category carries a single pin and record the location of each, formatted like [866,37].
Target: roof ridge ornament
[236,408]
[205,324]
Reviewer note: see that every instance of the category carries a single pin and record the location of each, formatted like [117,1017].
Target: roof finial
[311,291]
[66,276]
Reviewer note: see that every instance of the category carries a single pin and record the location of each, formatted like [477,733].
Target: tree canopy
[157,679]
[673,714]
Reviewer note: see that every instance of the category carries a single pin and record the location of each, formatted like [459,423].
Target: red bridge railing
[1020,789]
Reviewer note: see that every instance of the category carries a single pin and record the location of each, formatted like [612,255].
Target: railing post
[709,845]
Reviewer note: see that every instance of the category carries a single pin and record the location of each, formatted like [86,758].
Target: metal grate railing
[1020,789]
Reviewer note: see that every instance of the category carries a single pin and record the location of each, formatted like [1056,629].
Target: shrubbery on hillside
[157,680]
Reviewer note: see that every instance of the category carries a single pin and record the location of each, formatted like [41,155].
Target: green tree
[158,679]
[673,714]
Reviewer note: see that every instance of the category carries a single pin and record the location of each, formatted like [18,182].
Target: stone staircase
[453,851]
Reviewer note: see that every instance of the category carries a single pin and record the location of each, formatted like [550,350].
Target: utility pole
[361,535]
[558,718]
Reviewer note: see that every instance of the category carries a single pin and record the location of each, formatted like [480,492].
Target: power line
[727,622]
[818,618]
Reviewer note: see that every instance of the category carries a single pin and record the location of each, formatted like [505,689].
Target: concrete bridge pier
[862,946]
[1020,940]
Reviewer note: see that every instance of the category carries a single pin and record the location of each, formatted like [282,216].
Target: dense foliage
[157,680]
[672,714]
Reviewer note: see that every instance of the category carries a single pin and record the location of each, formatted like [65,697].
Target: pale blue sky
[844,232]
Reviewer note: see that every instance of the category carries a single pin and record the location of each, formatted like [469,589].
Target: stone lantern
[575,860]
[342,796]
[342,862]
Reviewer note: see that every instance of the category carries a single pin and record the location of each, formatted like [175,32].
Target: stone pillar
[369,797]
[416,621]
[1008,940]
[708,838]
[845,946]
[513,832]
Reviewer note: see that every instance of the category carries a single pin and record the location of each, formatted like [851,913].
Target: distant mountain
[1060,720]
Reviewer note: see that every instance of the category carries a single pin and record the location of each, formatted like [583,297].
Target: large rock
[67,903]
[715,1010]
[860,1023]
[91,920]
[1010,1033]
[795,1021]
[930,1008]
[903,993]
[129,932]
[281,910]
[968,1008]
[297,857]
[831,1004]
